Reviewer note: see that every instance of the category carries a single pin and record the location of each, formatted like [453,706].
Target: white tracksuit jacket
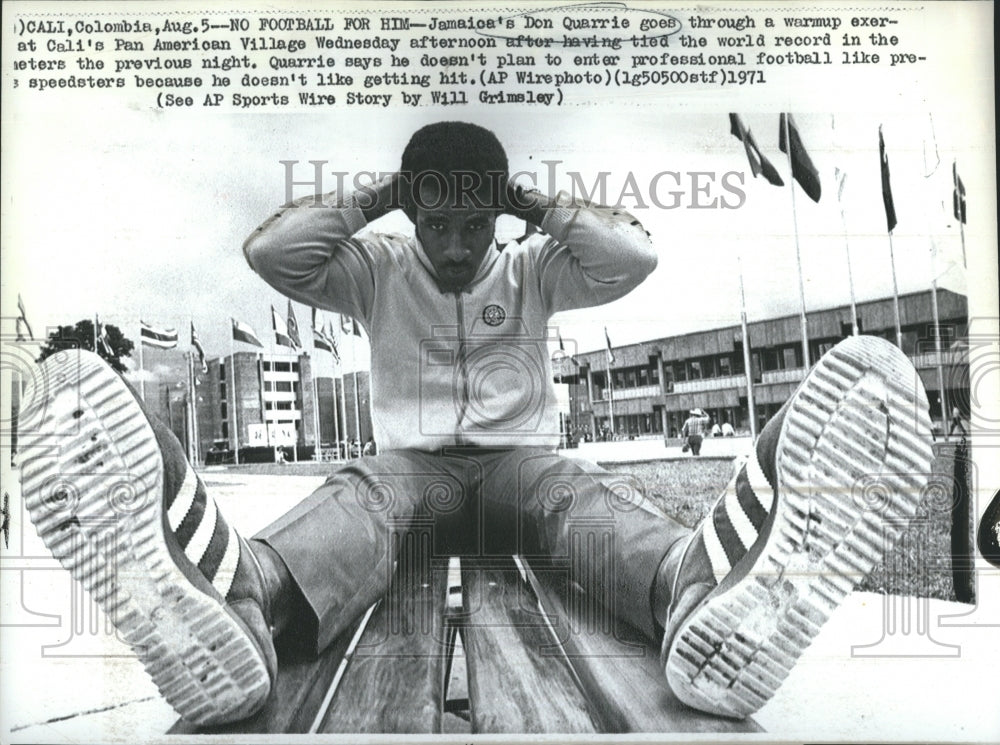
[466,369]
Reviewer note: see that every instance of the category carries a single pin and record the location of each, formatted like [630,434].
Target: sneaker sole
[850,476]
[92,479]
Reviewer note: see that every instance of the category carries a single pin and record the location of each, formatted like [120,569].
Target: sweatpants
[339,547]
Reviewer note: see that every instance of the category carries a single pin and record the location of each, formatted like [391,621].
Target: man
[463,402]
[693,430]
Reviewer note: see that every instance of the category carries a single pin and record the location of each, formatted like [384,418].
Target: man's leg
[337,546]
[696,444]
[563,510]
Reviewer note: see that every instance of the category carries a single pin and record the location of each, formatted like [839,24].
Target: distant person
[727,430]
[279,455]
[956,422]
[369,448]
[716,430]
[694,430]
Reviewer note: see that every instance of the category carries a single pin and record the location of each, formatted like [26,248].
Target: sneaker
[113,498]
[835,477]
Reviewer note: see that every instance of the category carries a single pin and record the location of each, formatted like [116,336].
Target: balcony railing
[709,384]
[791,375]
[625,394]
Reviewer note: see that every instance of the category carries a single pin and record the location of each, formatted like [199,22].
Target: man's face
[455,237]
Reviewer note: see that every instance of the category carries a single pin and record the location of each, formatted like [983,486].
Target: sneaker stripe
[741,521]
[762,489]
[209,563]
[716,554]
[194,517]
[195,550]
[749,504]
[227,567]
[727,534]
[182,500]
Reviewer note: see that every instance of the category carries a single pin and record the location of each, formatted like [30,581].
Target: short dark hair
[449,149]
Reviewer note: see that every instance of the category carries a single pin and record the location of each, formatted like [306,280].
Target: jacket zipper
[462,371]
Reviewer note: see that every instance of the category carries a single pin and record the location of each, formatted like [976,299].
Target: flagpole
[746,354]
[895,294]
[847,254]
[142,375]
[192,387]
[357,399]
[235,417]
[961,212]
[343,398]
[798,253]
[943,398]
[611,386]
[97,322]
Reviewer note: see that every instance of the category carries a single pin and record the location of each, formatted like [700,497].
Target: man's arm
[306,250]
[598,254]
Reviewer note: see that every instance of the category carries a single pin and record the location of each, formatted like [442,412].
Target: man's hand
[380,198]
[527,205]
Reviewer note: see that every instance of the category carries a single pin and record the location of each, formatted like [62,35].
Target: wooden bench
[541,657]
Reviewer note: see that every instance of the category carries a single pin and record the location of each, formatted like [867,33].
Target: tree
[81,336]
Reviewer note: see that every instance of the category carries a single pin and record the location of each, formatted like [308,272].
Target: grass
[919,564]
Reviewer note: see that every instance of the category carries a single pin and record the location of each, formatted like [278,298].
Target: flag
[242,332]
[759,164]
[331,337]
[293,327]
[958,202]
[562,348]
[611,354]
[196,343]
[103,342]
[841,178]
[319,336]
[280,330]
[154,337]
[349,325]
[890,209]
[803,169]
[22,319]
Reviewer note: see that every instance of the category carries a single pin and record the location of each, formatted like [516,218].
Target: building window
[680,371]
[222,371]
[283,386]
[725,366]
[788,358]
[224,410]
[268,386]
[267,366]
[295,367]
[654,374]
[694,369]
[225,431]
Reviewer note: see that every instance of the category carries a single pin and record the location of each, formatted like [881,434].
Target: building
[252,399]
[654,384]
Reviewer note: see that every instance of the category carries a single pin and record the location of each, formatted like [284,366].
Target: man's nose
[456,250]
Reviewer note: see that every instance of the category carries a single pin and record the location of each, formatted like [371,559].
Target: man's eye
[437,227]
[476,226]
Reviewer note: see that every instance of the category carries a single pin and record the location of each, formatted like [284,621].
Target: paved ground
[66,678]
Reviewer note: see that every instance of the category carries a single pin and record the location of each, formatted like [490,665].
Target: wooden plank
[394,681]
[518,681]
[302,681]
[619,669]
